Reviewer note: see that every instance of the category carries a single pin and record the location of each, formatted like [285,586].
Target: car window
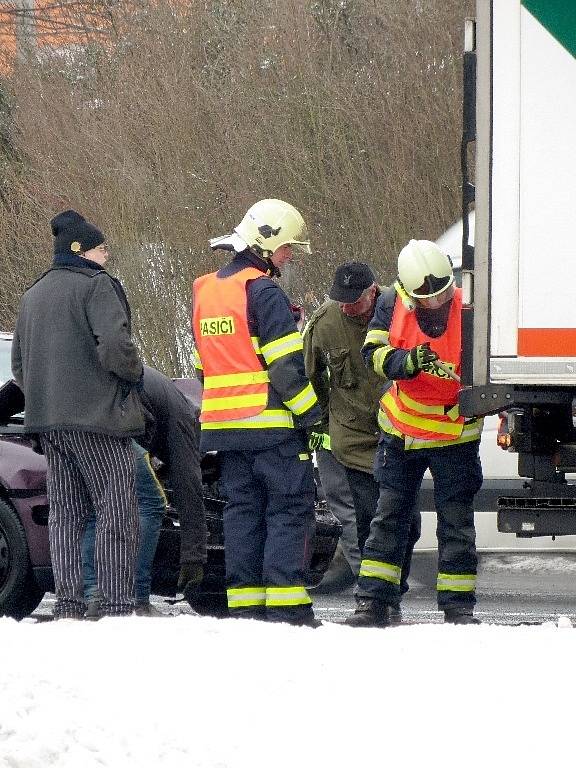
[5,363]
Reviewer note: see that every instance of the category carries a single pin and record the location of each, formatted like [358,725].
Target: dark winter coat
[73,356]
[174,438]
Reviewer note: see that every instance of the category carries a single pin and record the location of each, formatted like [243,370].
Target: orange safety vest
[235,381]
[426,406]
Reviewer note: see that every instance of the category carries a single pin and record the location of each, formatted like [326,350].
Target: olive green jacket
[347,391]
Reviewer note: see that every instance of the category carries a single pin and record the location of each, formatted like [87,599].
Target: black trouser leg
[244,535]
[457,475]
[365,493]
[394,528]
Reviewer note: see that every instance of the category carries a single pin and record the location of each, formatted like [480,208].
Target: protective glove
[191,575]
[316,435]
[420,358]
[316,440]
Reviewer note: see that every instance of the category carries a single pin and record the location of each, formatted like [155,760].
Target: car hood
[20,468]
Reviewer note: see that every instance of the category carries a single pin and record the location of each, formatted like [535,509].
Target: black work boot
[299,616]
[369,613]
[395,615]
[460,616]
[308,621]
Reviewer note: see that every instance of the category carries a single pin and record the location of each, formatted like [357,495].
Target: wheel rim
[4,558]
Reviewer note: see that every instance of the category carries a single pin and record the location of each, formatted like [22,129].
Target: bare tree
[166,128]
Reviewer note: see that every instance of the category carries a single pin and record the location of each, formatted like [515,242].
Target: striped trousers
[89,473]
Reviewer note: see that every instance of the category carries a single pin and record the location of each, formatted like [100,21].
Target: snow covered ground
[191,692]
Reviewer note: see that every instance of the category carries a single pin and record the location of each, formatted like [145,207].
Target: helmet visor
[300,242]
[434,302]
[432,286]
[301,249]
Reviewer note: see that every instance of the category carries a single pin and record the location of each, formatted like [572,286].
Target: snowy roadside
[208,693]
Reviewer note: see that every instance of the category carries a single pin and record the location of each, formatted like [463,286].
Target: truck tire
[19,592]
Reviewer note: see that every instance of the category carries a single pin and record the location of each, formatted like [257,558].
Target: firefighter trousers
[457,476]
[366,494]
[268,528]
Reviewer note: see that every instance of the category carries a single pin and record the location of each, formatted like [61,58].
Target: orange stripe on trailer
[547,342]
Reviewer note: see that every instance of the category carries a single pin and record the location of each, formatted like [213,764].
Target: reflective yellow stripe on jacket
[303,401]
[235,379]
[377,336]
[470,431]
[266,419]
[379,359]
[224,403]
[452,429]
[278,348]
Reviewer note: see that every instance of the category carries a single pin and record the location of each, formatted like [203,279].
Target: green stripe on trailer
[559,18]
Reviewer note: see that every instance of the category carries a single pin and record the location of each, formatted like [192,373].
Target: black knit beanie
[73,234]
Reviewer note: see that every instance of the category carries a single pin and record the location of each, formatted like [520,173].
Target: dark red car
[25,568]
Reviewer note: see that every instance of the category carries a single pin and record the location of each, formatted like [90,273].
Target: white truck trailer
[519,278]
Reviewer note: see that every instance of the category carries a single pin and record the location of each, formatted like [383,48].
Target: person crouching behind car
[75,361]
[173,437]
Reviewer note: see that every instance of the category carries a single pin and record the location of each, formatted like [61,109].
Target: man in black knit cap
[74,359]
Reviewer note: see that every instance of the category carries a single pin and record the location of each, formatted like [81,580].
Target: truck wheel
[19,593]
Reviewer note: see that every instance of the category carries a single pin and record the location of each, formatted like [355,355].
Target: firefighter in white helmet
[414,341]
[257,409]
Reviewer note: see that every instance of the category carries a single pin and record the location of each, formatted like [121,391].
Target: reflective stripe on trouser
[456,582]
[272,597]
[373,569]
[246,597]
[91,471]
[280,597]
[457,477]
[268,527]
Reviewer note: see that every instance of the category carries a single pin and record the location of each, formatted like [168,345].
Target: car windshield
[5,364]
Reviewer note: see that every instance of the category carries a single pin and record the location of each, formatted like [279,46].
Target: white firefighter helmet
[266,226]
[424,269]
